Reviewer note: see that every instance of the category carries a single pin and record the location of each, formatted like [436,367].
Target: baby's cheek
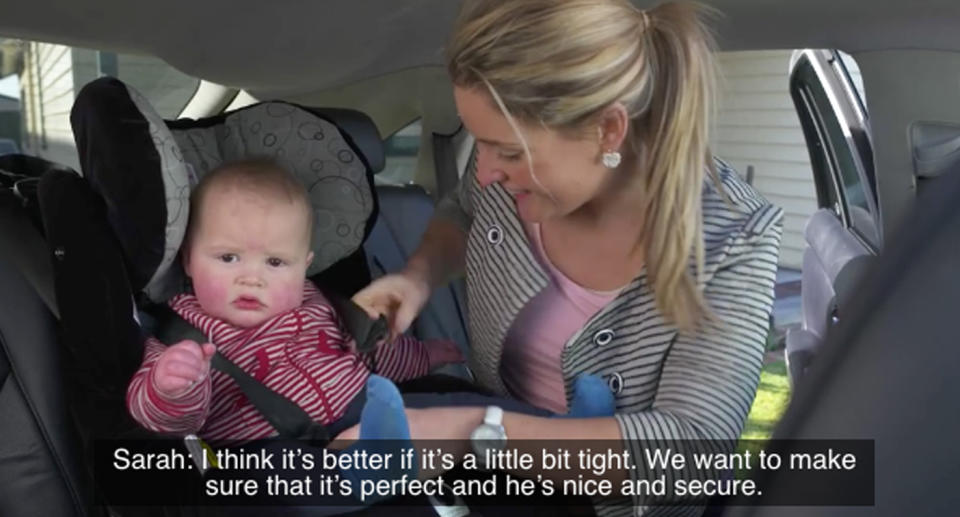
[210,292]
[291,294]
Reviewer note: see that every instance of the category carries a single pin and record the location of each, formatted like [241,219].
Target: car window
[851,70]
[167,88]
[840,153]
[758,132]
[52,75]
[401,151]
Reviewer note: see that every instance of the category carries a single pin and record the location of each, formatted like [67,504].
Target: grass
[772,398]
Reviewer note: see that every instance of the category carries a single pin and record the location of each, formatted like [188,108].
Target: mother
[596,232]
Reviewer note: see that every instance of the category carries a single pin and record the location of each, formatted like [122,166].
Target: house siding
[758,126]
[47,84]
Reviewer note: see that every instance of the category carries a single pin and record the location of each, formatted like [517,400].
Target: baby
[247,251]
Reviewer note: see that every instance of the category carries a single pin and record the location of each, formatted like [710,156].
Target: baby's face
[249,256]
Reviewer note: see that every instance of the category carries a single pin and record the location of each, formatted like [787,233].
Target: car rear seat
[832,262]
[404,215]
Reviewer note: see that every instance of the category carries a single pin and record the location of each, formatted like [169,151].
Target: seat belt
[367,332]
[287,418]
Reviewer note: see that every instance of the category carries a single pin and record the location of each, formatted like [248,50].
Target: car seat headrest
[144,169]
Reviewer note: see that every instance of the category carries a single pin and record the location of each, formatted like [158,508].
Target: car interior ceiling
[377,33]
[903,49]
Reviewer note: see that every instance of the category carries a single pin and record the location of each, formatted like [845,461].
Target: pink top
[531,365]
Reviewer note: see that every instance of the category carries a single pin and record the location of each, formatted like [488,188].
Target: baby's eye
[509,157]
[229,258]
[275,262]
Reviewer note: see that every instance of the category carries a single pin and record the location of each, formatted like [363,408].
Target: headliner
[291,46]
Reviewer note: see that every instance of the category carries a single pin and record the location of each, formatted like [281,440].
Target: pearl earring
[611,159]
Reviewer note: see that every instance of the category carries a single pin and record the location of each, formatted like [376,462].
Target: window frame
[847,109]
[381,177]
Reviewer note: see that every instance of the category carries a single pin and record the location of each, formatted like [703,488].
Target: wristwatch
[490,435]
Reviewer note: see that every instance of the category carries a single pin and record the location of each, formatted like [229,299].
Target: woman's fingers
[375,298]
[404,316]
[395,296]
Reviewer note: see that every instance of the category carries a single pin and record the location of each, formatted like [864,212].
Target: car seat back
[887,373]
[831,263]
[405,213]
[40,464]
[144,169]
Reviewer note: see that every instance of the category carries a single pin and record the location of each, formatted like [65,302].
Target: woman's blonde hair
[559,63]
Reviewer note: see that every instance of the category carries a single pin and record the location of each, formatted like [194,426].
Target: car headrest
[144,168]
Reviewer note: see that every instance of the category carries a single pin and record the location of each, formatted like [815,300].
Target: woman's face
[568,173]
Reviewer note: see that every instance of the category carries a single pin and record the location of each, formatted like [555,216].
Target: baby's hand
[442,351]
[181,367]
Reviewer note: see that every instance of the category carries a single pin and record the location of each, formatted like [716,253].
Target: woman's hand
[399,297]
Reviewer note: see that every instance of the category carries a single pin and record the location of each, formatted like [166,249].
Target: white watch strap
[494,416]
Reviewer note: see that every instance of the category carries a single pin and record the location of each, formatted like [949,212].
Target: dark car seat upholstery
[39,450]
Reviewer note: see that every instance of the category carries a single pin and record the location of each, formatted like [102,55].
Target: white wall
[47,84]
[757,125]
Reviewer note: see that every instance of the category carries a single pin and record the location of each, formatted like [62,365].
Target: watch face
[487,433]
[486,438]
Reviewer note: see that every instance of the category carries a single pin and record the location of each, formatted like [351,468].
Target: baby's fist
[181,367]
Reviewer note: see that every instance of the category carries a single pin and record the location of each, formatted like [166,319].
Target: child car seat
[114,232]
[111,237]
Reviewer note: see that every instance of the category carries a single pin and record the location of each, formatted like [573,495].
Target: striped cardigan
[301,354]
[667,385]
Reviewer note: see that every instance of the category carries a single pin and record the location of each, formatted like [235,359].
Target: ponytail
[674,138]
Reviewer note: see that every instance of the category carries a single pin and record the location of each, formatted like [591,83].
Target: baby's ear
[309,258]
[185,258]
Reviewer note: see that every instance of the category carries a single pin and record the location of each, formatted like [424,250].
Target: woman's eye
[229,258]
[275,262]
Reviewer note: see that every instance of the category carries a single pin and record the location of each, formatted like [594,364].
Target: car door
[843,233]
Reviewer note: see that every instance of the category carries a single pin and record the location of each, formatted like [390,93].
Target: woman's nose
[487,172]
